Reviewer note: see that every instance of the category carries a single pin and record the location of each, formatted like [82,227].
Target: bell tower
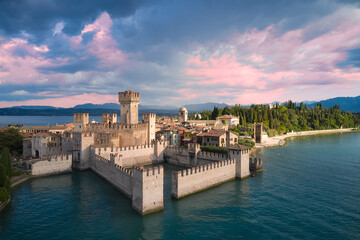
[129,104]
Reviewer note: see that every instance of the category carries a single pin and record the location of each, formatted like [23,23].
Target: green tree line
[287,117]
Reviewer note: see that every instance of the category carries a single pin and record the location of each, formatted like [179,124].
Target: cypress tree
[6,161]
[2,175]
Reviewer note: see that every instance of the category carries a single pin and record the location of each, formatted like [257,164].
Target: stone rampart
[118,176]
[192,180]
[101,127]
[143,186]
[209,157]
[148,189]
[178,156]
[52,164]
[135,155]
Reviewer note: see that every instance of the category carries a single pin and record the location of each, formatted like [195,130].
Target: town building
[44,144]
[229,120]
[217,138]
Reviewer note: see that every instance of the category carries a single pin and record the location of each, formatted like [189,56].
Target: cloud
[179,52]
[65,101]
[58,28]
[261,62]
[20,92]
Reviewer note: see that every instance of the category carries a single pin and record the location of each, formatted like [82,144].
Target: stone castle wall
[188,157]
[143,186]
[242,161]
[148,189]
[192,180]
[178,156]
[118,176]
[204,158]
[135,155]
[52,164]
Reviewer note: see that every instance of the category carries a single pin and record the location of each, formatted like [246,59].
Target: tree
[6,161]
[4,196]
[2,175]
[215,113]
[12,139]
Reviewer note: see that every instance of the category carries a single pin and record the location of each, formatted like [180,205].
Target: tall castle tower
[80,121]
[129,102]
[109,118]
[183,114]
[150,118]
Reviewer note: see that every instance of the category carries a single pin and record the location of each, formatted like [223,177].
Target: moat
[309,189]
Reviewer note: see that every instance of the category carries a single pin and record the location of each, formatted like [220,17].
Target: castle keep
[118,151]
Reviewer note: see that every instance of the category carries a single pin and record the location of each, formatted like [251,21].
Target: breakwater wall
[52,164]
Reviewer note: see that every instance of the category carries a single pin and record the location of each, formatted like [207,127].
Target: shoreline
[278,141]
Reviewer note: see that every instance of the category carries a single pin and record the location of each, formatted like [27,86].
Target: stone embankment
[280,140]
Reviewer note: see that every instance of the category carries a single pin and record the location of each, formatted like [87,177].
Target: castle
[118,151]
[109,133]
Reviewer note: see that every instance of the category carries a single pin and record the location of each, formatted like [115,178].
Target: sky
[63,53]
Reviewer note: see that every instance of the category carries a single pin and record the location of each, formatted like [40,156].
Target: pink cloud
[102,45]
[252,96]
[188,93]
[226,70]
[17,69]
[66,101]
[268,65]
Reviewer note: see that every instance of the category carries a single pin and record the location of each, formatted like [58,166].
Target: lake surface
[40,120]
[310,189]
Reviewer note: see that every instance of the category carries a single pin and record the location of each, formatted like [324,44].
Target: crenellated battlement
[96,127]
[211,155]
[193,145]
[109,118]
[204,168]
[57,157]
[87,134]
[101,158]
[149,172]
[129,96]
[176,150]
[81,117]
[198,178]
[237,152]
[112,164]
[148,115]
[52,164]
[121,150]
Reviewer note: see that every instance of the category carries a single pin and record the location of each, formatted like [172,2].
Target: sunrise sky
[64,53]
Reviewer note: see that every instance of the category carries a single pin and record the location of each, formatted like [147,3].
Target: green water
[310,189]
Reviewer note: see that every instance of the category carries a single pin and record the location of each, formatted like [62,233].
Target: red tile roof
[212,133]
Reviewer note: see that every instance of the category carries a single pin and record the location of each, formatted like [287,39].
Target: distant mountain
[351,104]
[204,106]
[35,107]
[165,107]
[346,103]
[98,106]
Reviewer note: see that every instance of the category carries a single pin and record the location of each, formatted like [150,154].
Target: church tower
[129,103]
[183,114]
